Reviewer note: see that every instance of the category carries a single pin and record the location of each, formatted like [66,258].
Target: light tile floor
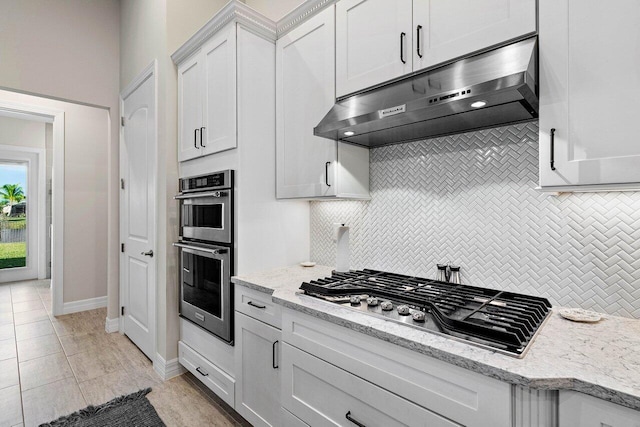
[53,366]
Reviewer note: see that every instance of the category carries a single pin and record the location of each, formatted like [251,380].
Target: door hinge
[122,121]
[122,247]
[122,183]
[122,310]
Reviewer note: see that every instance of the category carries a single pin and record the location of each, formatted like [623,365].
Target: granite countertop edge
[284,296]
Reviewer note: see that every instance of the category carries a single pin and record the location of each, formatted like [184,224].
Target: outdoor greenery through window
[13,209]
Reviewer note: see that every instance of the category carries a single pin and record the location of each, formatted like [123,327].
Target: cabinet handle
[418,31]
[353,420]
[402,36]
[552,155]
[326,174]
[273,358]
[253,304]
[201,132]
[195,138]
[204,374]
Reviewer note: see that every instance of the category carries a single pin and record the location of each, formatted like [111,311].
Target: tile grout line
[15,342]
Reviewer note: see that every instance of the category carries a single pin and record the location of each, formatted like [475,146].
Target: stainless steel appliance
[505,322]
[206,252]
[206,207]
[481,91]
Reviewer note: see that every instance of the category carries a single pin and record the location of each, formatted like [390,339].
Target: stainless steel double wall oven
[206,252]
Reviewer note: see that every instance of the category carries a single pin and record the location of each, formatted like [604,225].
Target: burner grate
[504,320]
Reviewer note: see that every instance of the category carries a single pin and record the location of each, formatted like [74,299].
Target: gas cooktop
[502,321]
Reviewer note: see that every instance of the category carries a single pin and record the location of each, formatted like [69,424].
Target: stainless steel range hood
[487,90]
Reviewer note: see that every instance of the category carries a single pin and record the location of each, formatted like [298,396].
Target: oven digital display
[213,180]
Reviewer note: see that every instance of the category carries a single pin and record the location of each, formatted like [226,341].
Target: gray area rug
[131,410]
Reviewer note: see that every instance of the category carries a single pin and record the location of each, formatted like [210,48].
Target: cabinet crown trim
[234,11]
[300,14]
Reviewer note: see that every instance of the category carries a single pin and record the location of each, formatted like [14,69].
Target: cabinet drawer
[258,305]
[456,393]
[323,395]
[290,420]
[579,410]
[212,376]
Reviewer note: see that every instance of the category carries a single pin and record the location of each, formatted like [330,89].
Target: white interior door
[138,218]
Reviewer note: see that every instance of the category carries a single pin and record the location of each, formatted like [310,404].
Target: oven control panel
[214,181]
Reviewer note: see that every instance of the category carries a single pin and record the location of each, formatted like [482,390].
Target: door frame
[57,118]
[34,156]
[151,71]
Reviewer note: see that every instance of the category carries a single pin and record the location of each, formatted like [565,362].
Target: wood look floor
[53,366]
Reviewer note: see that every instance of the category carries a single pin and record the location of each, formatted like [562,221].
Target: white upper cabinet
[309,166]
[447,29]
[189,107]
[380,40]
[207,98]
[588,82]
[219,62]
[374,42]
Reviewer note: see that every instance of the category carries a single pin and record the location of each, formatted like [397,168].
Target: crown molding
[300,14]
[234,11]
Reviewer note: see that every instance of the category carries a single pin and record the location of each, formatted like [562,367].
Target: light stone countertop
[600,359]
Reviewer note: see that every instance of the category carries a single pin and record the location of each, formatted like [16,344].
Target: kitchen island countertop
[599,359]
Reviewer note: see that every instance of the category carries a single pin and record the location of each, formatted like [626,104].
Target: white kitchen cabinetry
[587,94]
[207,98]
[380,40]
[350,371]
[309,166]
[579,410]
[258,374]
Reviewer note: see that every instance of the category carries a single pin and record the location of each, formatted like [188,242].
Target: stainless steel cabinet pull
[148,253]
[217,194]
[204,374]
[197,248]
[326,174]
[201,132]
[553,132]
[195,138]
[274,361]
[253,304]
[418,31]
[402,36]
[353,420]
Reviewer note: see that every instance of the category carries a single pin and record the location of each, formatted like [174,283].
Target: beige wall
[85,202]
[23,133]
[274,9]
[70,49]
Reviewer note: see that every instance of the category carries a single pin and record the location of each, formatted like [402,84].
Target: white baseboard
[167,369]
[111,325]
[84,305]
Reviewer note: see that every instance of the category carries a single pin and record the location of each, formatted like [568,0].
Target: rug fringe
[91,410]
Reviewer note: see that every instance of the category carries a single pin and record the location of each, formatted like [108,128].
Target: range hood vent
[482,91]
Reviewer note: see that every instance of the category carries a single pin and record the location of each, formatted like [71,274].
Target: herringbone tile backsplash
[469,199]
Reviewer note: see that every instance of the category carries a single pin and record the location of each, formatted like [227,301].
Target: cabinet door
[219,74]
[447,29]
[257,370]
[189,107]
[305,91]
[374,42]
[588,86]
[580,410]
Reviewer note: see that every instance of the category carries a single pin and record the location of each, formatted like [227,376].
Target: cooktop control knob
[418,316]
[372,301]
[403,310]
[354,299]
[386,305]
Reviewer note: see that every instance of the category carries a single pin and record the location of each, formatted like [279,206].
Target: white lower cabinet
[258,371]
[579,410]
[213,377]
[321,394]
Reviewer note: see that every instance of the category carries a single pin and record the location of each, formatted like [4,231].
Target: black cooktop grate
[497,318]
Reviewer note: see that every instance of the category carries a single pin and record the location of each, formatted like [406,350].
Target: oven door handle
[199,195]
[198,248]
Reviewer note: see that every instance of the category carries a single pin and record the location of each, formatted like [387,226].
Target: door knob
[148,253]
